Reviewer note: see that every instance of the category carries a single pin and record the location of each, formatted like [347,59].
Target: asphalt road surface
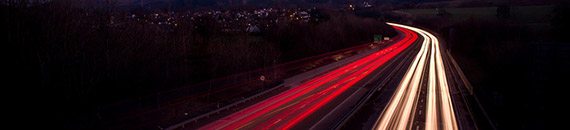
[412,82]
[317,96]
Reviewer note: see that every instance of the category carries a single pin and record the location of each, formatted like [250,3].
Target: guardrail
[227,107]
[286,83]
[470,89]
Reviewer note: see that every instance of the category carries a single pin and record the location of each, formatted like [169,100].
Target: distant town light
[262,78]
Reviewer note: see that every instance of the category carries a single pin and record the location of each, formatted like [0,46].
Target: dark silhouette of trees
[560,20]
[79,59]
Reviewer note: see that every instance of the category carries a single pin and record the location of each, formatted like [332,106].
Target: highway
[431,92]
[407,84]
[427,70]
[290,108]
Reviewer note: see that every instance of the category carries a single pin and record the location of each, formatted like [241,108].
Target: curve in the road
[400,113]
[287,109]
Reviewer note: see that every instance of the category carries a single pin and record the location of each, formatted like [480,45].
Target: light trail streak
[400,111]
[285,110]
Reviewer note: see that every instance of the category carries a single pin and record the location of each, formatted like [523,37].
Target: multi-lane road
[412,73]
[427,70]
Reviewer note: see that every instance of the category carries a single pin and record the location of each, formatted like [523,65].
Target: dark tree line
[70,60]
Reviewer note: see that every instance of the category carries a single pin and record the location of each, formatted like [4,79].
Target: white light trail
[400,111]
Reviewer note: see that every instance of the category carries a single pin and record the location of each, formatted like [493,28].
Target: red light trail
[287,109]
